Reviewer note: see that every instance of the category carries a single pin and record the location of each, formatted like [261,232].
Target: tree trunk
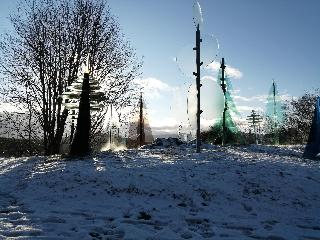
[54,146]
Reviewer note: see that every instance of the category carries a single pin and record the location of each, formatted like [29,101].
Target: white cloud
[207,77]
[153,87]
[214,67]
[234,72]
[231,71]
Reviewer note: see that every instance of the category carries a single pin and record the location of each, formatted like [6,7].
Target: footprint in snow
[14,220]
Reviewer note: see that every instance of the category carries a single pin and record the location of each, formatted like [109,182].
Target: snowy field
[253,192]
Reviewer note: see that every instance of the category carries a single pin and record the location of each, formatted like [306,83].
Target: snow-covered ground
[252,192]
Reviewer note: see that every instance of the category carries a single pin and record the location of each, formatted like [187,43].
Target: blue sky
[263,39]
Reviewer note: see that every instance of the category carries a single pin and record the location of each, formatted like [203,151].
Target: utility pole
[254,119]
[224,89]
[197,74]
[141,123]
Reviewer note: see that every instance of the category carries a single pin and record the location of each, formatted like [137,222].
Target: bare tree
[43,56]
[298,118]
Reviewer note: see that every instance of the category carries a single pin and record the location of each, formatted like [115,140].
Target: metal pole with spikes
[224,89]
[197,74]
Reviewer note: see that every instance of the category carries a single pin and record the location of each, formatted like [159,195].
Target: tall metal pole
[224,89]
[197,74]
[141,123]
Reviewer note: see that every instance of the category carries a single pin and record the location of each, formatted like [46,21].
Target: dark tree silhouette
[81,142]
[313,146]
